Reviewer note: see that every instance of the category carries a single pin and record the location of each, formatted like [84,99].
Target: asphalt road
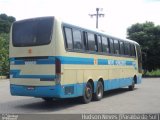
[144,99]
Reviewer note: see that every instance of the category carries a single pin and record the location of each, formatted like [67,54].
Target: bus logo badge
[29,51]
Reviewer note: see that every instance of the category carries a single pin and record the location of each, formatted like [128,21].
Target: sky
[119,14]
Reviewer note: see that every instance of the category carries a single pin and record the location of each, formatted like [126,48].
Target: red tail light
[58,66]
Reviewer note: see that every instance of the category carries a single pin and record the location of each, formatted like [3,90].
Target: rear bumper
[38,91]
[56,91]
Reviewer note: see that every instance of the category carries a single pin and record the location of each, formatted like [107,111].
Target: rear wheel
[131,87]
[99,91]
[87,97]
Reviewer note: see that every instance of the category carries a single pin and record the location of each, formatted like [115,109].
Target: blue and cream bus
[53,59]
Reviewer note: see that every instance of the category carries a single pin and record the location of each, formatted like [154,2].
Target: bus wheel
[131,87]
[87,97]
[99,91]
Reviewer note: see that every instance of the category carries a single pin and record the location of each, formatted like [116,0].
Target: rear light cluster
[58,66]
[58,70]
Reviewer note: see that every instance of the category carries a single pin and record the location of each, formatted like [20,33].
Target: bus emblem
[29,51]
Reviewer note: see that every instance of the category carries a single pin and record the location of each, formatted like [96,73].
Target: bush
[4,54]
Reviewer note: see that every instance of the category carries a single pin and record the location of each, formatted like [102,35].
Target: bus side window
[91,42]
[105,46]
[116,46]
[99,42]
[121,48]
[85,40]
[127,48]
[77,38]
[133,53]
[111,46]
[139,56]
[68,38]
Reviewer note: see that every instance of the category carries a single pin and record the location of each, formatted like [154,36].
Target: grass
[154,73]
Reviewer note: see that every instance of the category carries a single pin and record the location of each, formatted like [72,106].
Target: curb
[3,77]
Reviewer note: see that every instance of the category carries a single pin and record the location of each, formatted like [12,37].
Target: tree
[4,54]
[5,24]
[148,36]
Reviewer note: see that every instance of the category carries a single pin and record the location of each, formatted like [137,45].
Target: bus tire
[87,97]
[132,86]
[98,95]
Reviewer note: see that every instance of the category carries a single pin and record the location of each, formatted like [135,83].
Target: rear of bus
[32,62]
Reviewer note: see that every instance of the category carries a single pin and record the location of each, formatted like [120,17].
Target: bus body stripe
[75,60]
[16,74]
[102,62]
[50,60]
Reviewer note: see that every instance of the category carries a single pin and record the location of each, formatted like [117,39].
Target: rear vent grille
[69,90]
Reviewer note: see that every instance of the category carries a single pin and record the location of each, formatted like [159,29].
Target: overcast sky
[119,14]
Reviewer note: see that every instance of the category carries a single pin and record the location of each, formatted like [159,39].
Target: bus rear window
[32,32]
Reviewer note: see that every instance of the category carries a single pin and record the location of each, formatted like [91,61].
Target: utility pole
[97,15]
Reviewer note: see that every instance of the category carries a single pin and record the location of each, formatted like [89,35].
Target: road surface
[144,99]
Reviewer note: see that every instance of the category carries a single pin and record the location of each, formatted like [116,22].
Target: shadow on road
[56,105]
[111,93]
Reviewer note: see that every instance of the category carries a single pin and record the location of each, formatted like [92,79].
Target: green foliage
[148,36]
[153,73]
[4,54]
[5,24]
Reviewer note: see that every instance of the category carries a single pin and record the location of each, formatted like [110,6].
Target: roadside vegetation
[148,36]
[5,24]
[153,73]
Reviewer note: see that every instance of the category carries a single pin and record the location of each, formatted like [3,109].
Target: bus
[50,59]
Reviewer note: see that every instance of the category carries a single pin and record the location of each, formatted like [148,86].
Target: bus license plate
[31,88]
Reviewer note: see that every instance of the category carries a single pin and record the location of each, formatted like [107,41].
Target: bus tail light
[58,70]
